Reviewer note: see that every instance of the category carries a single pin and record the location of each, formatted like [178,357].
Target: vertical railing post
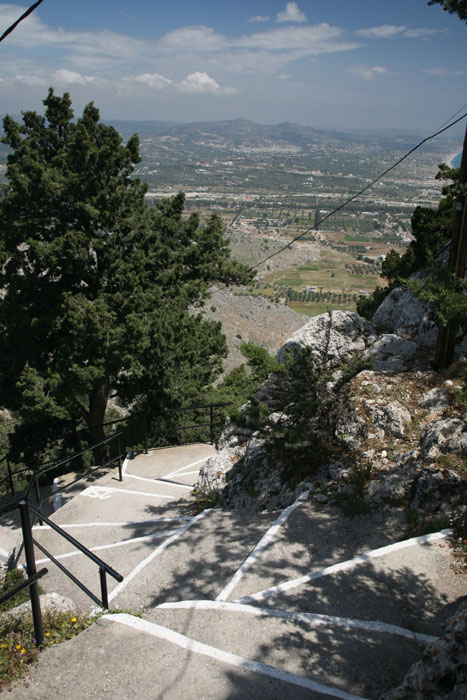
[37,491]
[212,423]
[120,475]
[104,594]
[31,570]
[145,434]
[10,476]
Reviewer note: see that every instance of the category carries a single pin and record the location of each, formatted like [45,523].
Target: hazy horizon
[396,65]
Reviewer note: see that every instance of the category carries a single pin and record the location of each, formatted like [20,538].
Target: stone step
[362,662]
[98,663]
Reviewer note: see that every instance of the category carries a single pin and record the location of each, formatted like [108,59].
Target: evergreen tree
[432,229]
[454,7]
[98,286]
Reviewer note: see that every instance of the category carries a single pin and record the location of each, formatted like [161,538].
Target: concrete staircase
[306,603]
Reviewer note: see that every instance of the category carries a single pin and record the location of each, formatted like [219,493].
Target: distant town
[270,184]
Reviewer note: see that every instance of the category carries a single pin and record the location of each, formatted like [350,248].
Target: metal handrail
[104,603]
[21,586]
[97,560]
[26,508]
[50,465]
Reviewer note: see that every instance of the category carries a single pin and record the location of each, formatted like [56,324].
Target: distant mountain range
[243,132]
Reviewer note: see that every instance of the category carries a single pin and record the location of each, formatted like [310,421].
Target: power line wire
[360,192]
[23,16]
[452,116]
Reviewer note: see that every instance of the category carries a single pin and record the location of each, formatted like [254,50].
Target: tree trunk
[446,341]
[97,407]
[78,462]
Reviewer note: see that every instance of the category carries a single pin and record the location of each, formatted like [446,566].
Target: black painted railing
[135,432]
[24,504]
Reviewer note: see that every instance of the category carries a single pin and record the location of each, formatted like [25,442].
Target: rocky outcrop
[445,436]
[401,314]
[335,338]
[397,422]
[52,602]
[442,671]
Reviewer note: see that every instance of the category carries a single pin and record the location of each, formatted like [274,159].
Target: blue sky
[333,64]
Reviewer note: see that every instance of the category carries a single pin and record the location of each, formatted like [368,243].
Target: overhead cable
[360,192]
[20,19]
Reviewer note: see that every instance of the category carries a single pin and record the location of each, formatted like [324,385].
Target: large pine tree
[97,286]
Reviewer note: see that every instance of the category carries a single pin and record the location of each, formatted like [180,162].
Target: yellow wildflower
[73,619]
[18,646]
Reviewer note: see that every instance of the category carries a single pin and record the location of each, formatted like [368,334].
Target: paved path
[302,604]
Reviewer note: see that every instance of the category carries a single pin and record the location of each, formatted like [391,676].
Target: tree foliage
[447,293]
[98,286]
[454,7]
[432,229]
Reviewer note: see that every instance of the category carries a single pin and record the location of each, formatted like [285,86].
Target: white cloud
[30,80]
[320,38]
[200,83]
[292,13]
[421,32]
[444,71]
[153,80]
[259,18]
[197,37]
[368,72]
[384,31]
[72,77]
[387,31]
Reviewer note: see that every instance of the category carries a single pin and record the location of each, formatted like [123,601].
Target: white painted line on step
[159,480]
[143,538]
[124,524]
[343,566]
[190,473]
[187,466]
[262,544]
[104,492]
[313,619]
[121,586]
[226,657]
[125,466]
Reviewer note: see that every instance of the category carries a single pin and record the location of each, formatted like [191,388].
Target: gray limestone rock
[335,338]
[392,418]
[212,474]
[49,601]
[438,490]
[436,399]
[391,353]
[442,671]
[446,435]
[394,485]
[401,313]
[233,435]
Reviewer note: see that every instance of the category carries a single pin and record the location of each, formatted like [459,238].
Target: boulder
[400,313]
[334,338]
[49,601]
[442,436]
[439,490]
[391,353]
[442,671]
[437,399]
[212,474]
[392,418]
